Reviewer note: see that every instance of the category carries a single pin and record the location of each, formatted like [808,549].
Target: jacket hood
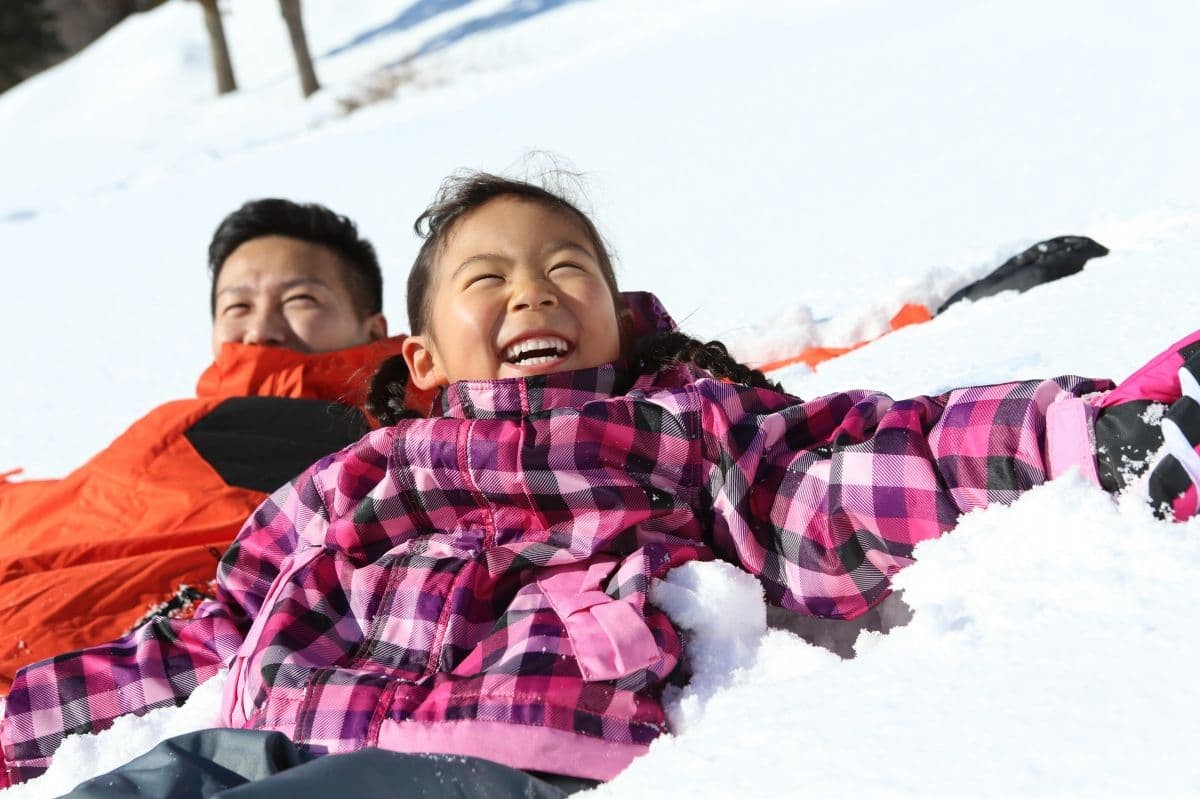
[649,316]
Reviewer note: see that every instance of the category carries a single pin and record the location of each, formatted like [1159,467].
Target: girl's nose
[532,293]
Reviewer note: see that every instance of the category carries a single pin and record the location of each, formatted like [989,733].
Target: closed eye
[302,300]
[474,279]
[235,309]
[567,265]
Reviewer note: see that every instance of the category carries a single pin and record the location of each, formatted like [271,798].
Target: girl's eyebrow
[567,245]
[550,246]
[483,256]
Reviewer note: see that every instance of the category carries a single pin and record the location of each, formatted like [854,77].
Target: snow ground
[781,173]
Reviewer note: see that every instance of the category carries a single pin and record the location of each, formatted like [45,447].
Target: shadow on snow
[425,10]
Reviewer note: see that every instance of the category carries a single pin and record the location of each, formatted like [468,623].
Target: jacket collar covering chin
[247,370]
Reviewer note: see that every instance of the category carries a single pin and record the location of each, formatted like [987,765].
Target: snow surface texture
[782,174]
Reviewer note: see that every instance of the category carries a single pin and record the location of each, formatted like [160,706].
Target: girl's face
[517,290]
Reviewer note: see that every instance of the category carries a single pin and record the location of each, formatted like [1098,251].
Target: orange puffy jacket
[84,558]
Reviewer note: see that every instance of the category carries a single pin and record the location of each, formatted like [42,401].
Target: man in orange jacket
[297,332]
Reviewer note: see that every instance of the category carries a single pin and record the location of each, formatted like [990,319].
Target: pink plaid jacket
[476,582]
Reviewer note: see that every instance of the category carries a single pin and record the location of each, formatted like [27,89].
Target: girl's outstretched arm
[825,500]
[157,665]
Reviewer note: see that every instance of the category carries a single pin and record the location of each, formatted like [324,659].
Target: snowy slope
[781,174]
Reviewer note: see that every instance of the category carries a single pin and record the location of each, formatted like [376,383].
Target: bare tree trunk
[220,50]
[304,64]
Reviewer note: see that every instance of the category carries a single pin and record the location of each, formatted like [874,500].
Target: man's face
[281,292]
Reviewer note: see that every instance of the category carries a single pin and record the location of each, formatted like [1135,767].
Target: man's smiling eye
[235,309]
[300,300]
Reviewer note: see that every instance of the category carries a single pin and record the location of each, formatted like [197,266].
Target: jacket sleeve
[825,500]
[159,664]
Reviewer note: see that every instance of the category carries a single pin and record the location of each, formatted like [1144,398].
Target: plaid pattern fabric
[493,563]
[825,500]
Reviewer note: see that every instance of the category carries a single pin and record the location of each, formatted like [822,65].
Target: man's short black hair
[309,222]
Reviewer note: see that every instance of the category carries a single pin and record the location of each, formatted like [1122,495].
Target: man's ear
[423,369]
[376,327]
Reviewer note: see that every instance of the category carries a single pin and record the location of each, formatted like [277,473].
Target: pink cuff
[1185,504]
[516,745]
[1071,439]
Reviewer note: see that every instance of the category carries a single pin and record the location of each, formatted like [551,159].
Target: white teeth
[546,349]
[539,360]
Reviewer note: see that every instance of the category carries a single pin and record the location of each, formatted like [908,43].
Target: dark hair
[308,222]
[464,192]
[665,349]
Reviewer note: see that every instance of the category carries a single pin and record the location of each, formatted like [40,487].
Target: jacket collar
[244,370]
[516,397]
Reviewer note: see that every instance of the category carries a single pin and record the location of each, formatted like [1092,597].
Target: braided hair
[667,349]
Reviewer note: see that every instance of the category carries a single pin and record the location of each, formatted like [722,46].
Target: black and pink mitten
[1155,409]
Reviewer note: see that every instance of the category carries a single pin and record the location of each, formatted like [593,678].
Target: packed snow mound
[723,613]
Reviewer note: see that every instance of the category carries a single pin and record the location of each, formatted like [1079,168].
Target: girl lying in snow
[474,581]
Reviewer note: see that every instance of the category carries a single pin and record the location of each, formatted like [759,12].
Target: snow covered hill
[781,173]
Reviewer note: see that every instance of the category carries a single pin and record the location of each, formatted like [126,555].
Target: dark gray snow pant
[251,764]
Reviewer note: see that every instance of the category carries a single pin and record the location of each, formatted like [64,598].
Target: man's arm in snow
[825,500]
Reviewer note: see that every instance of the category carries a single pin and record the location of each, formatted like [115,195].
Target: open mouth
[537,351]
